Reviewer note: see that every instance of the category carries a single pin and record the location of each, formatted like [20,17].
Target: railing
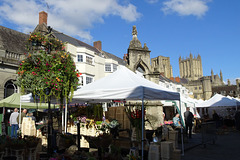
[12,55]
[208,130]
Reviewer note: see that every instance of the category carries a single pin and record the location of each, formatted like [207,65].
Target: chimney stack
[98,45]
[43,17]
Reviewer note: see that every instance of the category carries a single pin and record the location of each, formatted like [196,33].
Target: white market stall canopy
[125,85]
[218,101]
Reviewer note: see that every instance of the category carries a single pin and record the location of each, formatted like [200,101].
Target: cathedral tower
[191,68]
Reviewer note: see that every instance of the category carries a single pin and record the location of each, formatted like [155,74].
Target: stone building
[228,90]
[191,68]
[162,65]
[195,82]
[138,59]
[12,49]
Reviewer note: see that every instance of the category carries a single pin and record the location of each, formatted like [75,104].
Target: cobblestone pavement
[226,147]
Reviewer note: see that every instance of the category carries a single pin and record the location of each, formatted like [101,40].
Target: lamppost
[48,90]
[49,147]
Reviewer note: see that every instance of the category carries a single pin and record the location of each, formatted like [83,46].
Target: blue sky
[170,28]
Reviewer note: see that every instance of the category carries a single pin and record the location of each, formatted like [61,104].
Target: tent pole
[63,120]
[181,128]
[143,125]
[20,112]
[65,116]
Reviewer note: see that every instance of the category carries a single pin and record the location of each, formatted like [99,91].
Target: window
[89,60]
[80,58]
[114,67]
[89,80]
[223,93]
[200,88]
[178,89]
[195,88]
[108,68]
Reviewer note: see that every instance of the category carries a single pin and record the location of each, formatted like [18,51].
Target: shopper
[14,123]
[23,114]
[188,117]
[176,121]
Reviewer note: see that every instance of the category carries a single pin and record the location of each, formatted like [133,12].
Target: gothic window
[9,89]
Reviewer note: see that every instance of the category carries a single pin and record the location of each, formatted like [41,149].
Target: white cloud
[152,1]
[186,7]
[73,17]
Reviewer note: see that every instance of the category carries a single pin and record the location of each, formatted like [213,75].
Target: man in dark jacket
[237,120]
[188,117]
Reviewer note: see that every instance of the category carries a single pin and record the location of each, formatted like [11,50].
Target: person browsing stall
[14,123]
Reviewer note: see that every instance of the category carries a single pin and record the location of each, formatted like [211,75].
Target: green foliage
[47,65]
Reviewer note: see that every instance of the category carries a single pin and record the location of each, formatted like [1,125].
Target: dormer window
[86,58]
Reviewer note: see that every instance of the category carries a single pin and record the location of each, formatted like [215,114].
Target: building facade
[12,49]
[162,65]
[191,68]
[201,86]
[91,61]
[228,90]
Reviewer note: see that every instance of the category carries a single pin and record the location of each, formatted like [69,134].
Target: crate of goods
[92,131]
[111,113]
[83,129]
[84,143]
[126,121]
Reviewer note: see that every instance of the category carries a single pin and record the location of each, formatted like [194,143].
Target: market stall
[124,84]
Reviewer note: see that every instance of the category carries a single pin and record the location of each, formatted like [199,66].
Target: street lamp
[49,147]
[47,91]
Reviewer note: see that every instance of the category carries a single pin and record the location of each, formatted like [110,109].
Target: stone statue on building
[134,31]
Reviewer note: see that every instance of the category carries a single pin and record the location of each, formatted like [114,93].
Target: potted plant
[114,126]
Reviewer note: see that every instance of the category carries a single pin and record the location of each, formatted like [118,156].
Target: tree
[47,67]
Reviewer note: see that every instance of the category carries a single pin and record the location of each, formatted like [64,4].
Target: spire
[221,76]
[212,75]
[191,55]
[145,46]
[135,43]
[229,82]
[134,31]
[199,57]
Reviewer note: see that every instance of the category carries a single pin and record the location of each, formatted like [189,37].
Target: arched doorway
[140,70]
[9,88]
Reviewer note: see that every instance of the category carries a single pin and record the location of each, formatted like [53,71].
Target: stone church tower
[162,65]
[138,58]
[191,68]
